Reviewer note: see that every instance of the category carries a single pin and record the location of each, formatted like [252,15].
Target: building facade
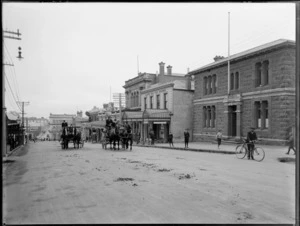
[156,102]
[258,92]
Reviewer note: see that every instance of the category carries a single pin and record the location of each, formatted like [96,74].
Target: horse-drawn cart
[73,135]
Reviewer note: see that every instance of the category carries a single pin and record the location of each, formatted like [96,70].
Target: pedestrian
[251,138]
[170,139]
[138,138]
[219,138]
[151,134]
[291,144]
[186,138]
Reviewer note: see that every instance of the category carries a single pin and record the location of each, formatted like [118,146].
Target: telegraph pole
[23,122]
[12,35]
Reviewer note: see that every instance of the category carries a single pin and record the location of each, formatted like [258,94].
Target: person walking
[170,139]
[251,138]
[186,138]
[219,138]
[291,144]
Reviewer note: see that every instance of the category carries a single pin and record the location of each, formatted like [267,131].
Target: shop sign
[159,122]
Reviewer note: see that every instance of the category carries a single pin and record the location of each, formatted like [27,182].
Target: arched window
[265,73]
[257,74]
[205,85]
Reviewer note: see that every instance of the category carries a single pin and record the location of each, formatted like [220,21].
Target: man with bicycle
[251,138]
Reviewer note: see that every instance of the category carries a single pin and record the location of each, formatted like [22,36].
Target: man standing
[186,138]
[64,124]
[219,138]
[251,138]
[291,144]
[170,139]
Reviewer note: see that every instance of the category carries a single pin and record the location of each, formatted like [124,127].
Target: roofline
[240,55]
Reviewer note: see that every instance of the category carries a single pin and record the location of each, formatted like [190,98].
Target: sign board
[159,122]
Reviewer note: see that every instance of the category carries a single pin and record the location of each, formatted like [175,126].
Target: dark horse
[64,138]
[77,140]
[126,140]
[112,138]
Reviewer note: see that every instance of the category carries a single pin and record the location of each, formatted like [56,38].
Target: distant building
[260,93]
[55,121]
[34,126]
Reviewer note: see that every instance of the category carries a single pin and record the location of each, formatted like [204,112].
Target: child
[219,138]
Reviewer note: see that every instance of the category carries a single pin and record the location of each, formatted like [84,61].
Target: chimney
[161,68]
[169,70]
[217,58]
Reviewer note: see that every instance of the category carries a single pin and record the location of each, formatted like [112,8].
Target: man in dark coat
[64,124]
[109,122]
[251,138]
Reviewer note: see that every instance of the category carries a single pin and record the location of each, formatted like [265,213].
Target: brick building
[259,92]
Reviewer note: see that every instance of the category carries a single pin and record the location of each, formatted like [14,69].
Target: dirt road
[44,184]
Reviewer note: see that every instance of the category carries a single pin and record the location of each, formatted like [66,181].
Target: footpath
[226,148]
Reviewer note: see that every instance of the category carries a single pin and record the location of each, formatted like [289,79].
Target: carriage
[67,137]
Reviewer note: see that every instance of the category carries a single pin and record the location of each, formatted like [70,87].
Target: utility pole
[4,132]
[23,122]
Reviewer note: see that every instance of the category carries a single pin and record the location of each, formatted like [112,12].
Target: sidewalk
[210,147]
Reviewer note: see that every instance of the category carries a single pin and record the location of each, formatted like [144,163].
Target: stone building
[34,126]
[158,101]
[259,92]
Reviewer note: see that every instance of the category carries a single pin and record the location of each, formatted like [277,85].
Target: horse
[126,139]
[77,139]
[111,137]
[64,138]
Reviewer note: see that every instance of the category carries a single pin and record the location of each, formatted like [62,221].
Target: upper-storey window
[158,101]
[151,102]
[262,73]
[145,103]
[234,80]
[210,84]
[165,100]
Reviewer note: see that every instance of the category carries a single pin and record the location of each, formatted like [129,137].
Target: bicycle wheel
[258,154]
[240,151]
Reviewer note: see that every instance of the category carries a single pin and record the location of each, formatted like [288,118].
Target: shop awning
[132,116]
[157,114]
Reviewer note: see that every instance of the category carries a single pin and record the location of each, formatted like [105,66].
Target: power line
[11,91]
[14,77]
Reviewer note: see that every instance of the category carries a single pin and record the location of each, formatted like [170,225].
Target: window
[214,84]
[231,81]
[205,85]
[257,114]
[158,101]
[265,74]
[209,85]
[257,74]
[165,100]
[209,116]
[204,116]
[151,102]
[265,116]
[145,103]
[237,80]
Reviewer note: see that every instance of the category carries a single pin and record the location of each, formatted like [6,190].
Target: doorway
[232,121]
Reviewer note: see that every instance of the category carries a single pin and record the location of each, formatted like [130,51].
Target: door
[232,121]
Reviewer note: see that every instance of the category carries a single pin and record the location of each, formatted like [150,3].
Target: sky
[76,55]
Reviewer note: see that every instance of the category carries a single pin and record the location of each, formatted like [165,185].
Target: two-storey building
[259,91]
[162,104]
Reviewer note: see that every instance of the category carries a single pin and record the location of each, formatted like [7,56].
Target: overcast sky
[76,54]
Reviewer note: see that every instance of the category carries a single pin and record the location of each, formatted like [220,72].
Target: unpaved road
[46,185]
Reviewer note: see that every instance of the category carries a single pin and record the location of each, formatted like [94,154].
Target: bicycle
[242,150]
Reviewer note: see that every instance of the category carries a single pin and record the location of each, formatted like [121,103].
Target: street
[43,184]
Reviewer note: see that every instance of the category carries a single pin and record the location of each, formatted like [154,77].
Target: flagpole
[228,53]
